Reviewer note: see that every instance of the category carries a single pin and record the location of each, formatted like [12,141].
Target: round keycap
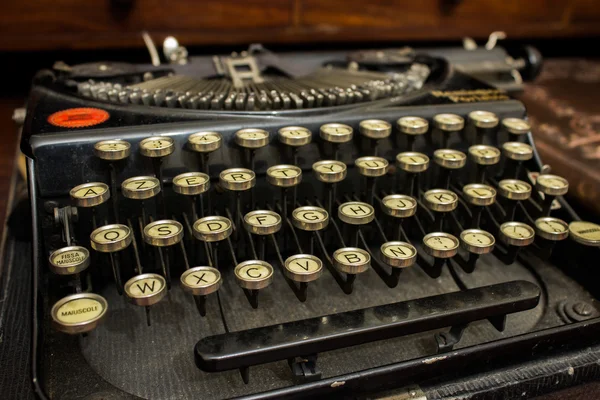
[284,175]
[440,200]
[448,158]
[252,138]
[484,155]
[110,238]
[351,260]
[112,150]
[262,222]
[191,183]
[551,228]
[146,289]
[163,233]
[477,241]
[449,122]
[399,205]
[440,244]
[552,185]
[330,171]
[336,133]
[309,218]
[205,142]
[517,151]
[586,233]
[212,229]
[69,260]
[516,233]
[375,128]
[90,194]
[398,254]
[371,166]
[412,125]
[157,146]
[479,194]
[295,136]
[254,274]
[237,179]
[201,281]
[483,119]
[78,313]
[514,189]
[516,126]
[303,268]
[140,187]
[356,213]
[411,161]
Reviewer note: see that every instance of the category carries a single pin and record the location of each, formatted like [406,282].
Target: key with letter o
[303,268]
[237,179]
[90,194]
[110,238]
[146,289]
[69,260]
[201,281]
[449,158]
[254,274]
[309,218]
[163,233]
[157,146]
[140,187]
[212,229]
[398,254]
[78,313]
[205,142]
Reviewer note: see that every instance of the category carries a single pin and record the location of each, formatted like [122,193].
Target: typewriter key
[69,260]
[398,254]
[146,289]
[586,233]
[284,175]
[552,185]
[140,187]
[112,150]
[294,136]
[78,313]
[262,222]
[551,228]
[371,166]
[201,281]
[90,194]
[477,241]
[483,119]
[514,189]
[330,171]
[191,183]
[336,133]
[412,161]
[163,233]
[516,234]
[412,125]
[205,142]
[237,179]
[252,138]
[356,213]
[449,122]
[517,151]
[110,238]
[351,260]
[516,126]
[157,146]
[484,155]
[254,274]
[375,128]
[448,158]
[303,268]
[399,205]
[441,200]
[212,229]
[440,244]
[309,218]
[479,194]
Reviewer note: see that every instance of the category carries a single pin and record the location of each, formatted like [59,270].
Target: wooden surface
[59,24]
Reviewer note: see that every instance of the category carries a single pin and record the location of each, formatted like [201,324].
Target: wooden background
[110,24]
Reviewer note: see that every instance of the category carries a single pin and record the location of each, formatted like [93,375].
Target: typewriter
[304,224]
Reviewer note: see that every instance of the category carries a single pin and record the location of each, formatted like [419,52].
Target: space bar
[315,335]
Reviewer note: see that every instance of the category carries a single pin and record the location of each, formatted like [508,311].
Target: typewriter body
[298,224]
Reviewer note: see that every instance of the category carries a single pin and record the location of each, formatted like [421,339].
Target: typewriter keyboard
[389,228]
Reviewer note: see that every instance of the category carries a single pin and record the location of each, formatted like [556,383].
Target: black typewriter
[309,224]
